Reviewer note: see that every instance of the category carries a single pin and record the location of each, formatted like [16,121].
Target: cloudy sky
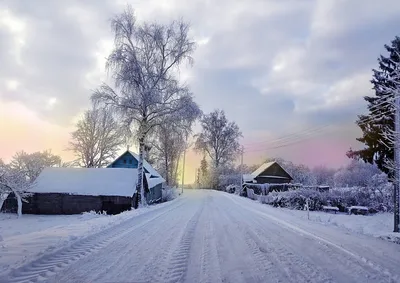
[290,73]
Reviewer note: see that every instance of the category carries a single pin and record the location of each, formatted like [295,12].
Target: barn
[269,173]
[76,190]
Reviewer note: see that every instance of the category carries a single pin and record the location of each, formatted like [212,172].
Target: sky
[291,73]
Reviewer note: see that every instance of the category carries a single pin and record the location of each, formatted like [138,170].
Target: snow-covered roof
[248,178]
[264,167]
[87,181]
[146,165]
[152,182]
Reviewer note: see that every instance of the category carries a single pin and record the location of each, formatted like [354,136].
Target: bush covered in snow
[169,193]
[375,198]
[231,189]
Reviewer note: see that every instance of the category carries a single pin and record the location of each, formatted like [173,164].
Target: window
[124,161]
[130,161]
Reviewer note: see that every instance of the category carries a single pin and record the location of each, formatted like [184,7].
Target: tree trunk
[3,197]
[166,170]
[140,197]
[19,201]
[176,171]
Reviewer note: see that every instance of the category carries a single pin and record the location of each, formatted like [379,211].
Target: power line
[284,144]
[293,138]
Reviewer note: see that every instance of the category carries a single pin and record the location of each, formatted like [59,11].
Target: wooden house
[268,173]
[76,190]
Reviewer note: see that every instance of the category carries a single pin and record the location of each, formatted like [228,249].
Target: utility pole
[396,162]
[183,170]
[241,167]
[198,177]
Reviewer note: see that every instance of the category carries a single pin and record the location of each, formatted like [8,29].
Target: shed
[269,173]
[76,190]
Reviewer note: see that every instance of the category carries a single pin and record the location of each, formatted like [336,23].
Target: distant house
[268,173]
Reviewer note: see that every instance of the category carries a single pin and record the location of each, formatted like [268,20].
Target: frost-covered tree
[167,145]
[323,175]
[356,174]
[32,164]
[97,138]
[145,67]
[219,138]
[169,141]
[381,111]
[14,181]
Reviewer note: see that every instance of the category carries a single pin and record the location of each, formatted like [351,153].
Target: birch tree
[97,139]
[145,67]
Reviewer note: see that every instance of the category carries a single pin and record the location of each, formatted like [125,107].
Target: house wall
[155,194]
[275,170]
[126,160]
[54,203]
[264,180]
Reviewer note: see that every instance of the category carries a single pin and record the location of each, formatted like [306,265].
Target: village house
[76,190]
[268,173]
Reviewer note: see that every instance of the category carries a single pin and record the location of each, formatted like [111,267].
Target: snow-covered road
[209,236]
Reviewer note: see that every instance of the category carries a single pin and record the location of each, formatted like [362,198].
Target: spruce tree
[380,118]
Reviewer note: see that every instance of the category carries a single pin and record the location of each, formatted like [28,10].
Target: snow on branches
[12,181]
[145,67]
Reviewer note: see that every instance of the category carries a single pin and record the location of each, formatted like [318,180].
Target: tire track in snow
[141,244]
[178,258]
[153,261]
[321,263]
[374,270]
[210,271]
[239,264]
[48,265]
[295,267]
[265,265]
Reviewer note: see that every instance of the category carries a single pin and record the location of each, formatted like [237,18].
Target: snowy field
[23,239]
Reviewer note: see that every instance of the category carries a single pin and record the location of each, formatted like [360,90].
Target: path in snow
[209,236]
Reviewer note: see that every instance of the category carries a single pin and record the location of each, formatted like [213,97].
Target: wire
[293,138]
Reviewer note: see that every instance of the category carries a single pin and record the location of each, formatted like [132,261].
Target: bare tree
[31,165]
[169,141]
[219,138]
[145,66]
[97,139]
[12,181]
[168,144]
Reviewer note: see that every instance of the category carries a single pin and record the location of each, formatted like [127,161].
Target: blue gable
[127,160]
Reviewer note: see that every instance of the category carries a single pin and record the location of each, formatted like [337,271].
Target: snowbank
[379,225]
[28,237]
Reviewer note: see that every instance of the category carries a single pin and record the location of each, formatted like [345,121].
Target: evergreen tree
[380,118]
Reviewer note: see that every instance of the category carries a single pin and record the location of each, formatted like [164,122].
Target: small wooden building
[269,173]
[76,190]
